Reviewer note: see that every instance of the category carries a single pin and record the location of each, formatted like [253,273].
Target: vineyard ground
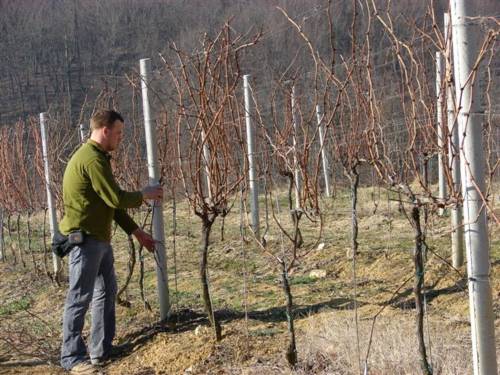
[31,307]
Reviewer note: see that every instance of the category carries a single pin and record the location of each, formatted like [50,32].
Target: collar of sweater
[98,147]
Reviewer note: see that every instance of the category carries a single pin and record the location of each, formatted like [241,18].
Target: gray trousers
[91,279]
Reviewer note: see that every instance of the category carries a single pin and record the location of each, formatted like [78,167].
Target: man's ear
[106,131]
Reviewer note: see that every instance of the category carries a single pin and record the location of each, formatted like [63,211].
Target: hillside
[60,54]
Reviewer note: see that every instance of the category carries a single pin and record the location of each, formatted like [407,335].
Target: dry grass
[329,345]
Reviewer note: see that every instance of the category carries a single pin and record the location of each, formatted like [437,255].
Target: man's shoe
[113,352]
[99,361]
[86,368]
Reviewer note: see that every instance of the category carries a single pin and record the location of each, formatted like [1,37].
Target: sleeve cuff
[131,228]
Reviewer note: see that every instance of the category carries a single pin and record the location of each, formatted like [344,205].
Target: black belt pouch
[62,245]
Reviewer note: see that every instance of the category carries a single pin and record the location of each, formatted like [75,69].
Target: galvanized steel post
[154,179]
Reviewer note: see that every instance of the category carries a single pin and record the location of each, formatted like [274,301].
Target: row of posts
[467,165]
[252,173]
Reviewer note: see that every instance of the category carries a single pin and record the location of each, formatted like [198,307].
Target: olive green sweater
[92,198]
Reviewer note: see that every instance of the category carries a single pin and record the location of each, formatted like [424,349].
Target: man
[92,200]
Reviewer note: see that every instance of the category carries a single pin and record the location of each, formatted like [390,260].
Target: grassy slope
[327,340]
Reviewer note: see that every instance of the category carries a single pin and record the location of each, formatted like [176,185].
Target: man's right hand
[154,192]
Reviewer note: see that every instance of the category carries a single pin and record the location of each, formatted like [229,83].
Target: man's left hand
[145,239]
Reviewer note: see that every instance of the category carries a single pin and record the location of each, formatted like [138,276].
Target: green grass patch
[15,306]
[264,332]
[302,280]
[185,298]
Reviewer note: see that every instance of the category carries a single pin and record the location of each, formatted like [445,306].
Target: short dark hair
[104,118]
